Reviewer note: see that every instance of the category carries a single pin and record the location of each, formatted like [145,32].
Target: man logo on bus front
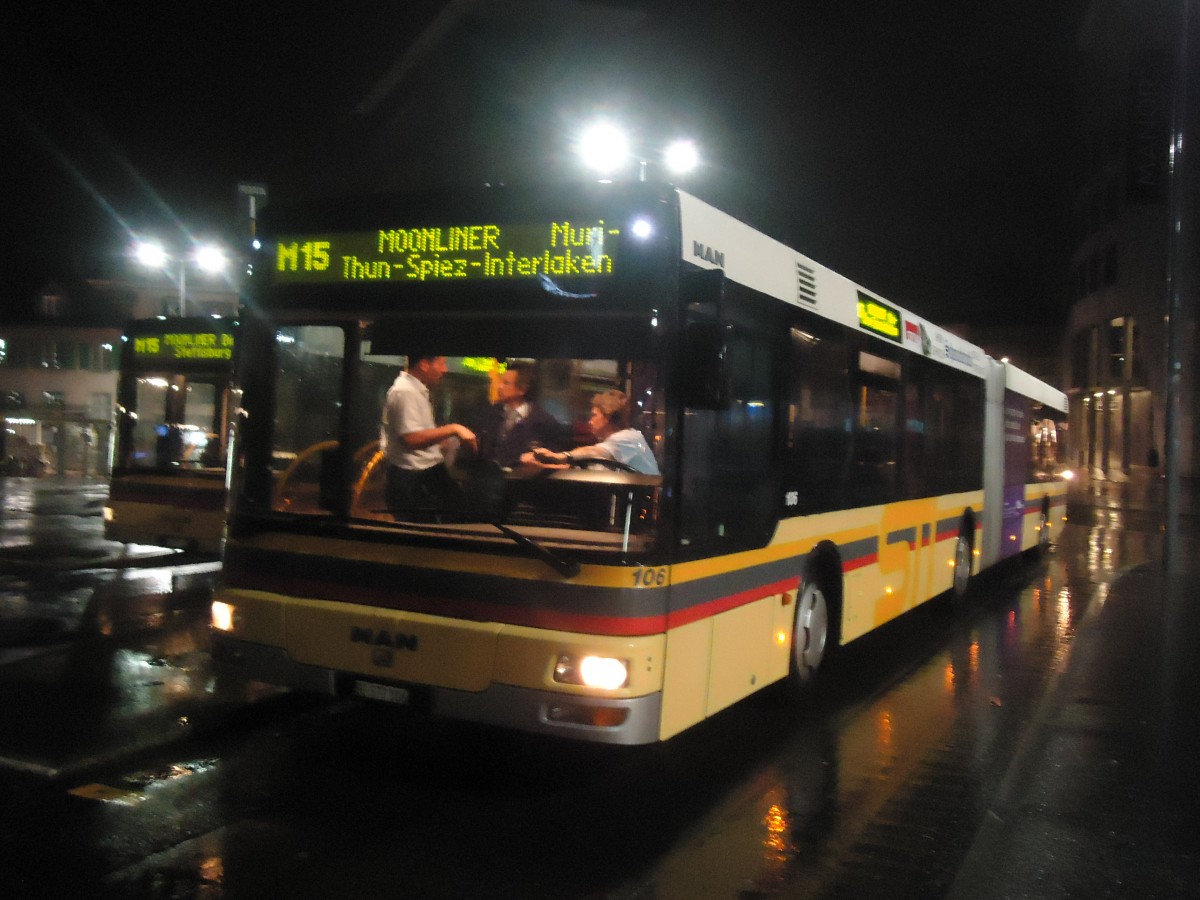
[381,637]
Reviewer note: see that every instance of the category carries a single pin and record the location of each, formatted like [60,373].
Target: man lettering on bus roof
[414,445]
[616,440]
[517,423]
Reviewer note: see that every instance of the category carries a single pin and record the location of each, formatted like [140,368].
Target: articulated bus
[174,403]
[828,462]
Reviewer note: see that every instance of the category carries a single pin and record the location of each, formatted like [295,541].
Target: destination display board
[471,250]
[876,316]
[186,346]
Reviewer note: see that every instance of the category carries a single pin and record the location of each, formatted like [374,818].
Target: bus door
[730,494]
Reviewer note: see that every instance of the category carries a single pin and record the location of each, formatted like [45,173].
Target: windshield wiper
[567,568]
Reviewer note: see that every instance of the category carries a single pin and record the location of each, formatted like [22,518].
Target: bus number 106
[655,577]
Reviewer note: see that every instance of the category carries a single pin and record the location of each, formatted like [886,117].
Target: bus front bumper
[625,720]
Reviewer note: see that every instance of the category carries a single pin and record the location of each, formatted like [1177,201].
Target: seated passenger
[615,439]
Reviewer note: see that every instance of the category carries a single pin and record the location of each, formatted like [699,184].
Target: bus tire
[964,557]
[815,628]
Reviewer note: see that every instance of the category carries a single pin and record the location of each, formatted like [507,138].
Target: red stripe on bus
[469,610]
[480,611]
[612,626]
[161,495]
[869,560]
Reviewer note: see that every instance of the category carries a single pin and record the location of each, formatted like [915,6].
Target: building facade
[57,386]
[1118,327]
[58,372]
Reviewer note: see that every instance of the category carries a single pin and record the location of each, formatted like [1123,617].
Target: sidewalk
[1140,489]
[1104,800]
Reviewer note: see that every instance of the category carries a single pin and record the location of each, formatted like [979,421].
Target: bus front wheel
[810,636]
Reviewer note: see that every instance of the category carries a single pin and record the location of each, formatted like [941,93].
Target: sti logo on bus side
[383,638]
[708,254]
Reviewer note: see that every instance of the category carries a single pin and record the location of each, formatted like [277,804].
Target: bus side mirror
[705,365]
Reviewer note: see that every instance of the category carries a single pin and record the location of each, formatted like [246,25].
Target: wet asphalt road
[875,786]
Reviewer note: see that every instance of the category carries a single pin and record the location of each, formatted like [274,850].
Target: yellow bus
[824,461]
[174,401]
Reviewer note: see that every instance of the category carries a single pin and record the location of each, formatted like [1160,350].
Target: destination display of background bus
[170,344]
[825,461]
[174,403]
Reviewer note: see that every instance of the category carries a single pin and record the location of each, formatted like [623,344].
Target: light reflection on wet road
[880,795]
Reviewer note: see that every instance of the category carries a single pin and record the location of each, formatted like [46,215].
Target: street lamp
[605,148]
[207,258]
[681,156]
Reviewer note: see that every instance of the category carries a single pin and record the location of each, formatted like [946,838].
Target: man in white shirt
[413,444]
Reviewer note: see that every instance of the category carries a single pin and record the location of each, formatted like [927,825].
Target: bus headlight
[601,672]
[223,615]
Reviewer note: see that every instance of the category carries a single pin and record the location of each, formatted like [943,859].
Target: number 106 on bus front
[655,576]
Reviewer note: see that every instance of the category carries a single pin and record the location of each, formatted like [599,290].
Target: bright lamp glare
[222,616]
[681,157]
[209,258]
[642,228]
[604,148]
[603,672]
[150,254]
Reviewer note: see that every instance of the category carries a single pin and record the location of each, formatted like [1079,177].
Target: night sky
[923,150]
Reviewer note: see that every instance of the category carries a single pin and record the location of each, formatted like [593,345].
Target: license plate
[385,692]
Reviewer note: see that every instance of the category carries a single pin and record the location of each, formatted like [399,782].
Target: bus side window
[915,460]
[819,416]
[876,433]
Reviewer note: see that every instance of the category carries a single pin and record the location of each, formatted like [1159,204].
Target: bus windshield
[517,386]
[180,422]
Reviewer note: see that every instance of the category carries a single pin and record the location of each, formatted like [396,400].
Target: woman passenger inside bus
[615,439]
